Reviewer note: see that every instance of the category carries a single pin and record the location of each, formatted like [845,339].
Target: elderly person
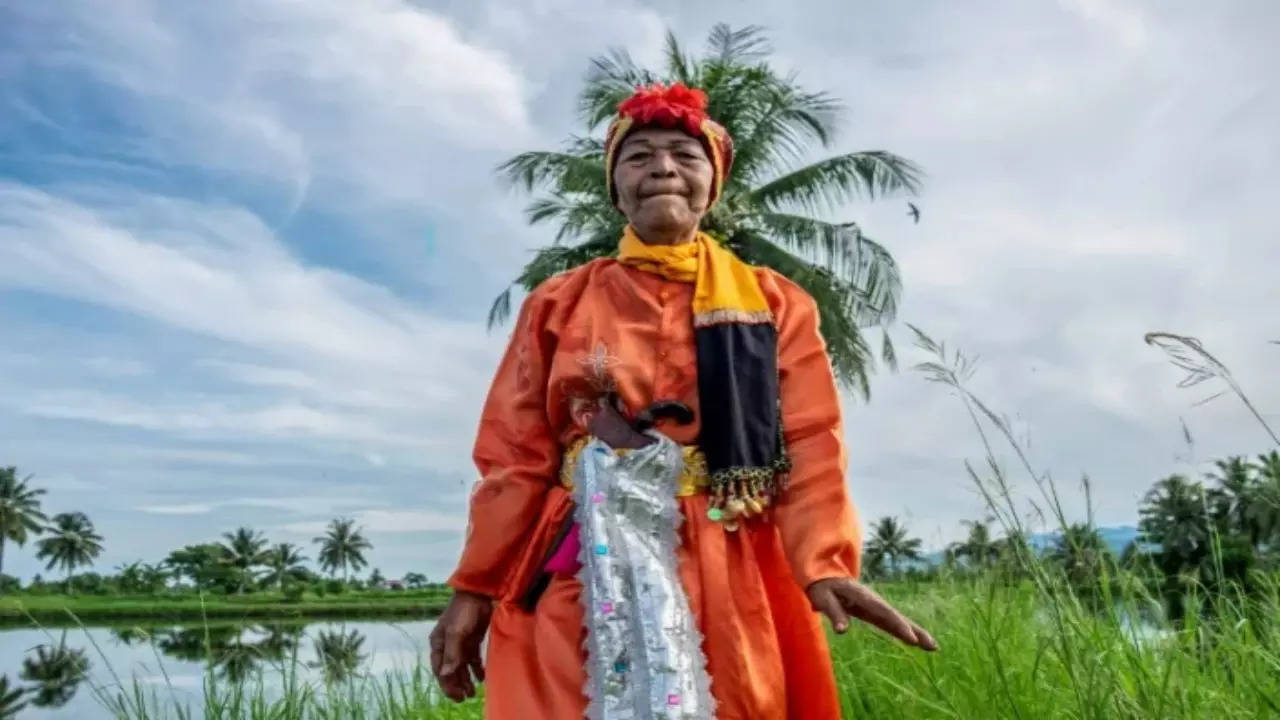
[663,504]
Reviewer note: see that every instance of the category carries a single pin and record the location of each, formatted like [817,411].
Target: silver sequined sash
[644,651]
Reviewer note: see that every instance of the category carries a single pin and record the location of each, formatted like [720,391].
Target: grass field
[57,610]
[1029,651]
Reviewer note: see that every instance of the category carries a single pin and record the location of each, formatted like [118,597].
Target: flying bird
[913,211]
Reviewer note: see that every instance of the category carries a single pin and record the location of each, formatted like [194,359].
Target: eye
[638,156]
[686,155]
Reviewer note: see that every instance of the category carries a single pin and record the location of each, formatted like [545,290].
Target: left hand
[842,598]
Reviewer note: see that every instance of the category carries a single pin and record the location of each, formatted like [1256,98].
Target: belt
[693,481]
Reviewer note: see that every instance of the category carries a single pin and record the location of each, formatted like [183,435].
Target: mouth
[669,194]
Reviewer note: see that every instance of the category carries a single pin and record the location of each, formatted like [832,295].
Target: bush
[9,584]
[293,592]
[335,587]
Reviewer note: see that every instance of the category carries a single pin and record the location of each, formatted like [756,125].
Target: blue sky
[246,248]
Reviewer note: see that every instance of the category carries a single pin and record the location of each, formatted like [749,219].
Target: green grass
[1025,651]
[20,610]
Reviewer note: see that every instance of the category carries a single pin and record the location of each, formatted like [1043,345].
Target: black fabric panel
[738,394]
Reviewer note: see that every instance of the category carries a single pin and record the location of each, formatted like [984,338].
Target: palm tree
[1266,511]
[342,547]
[1235,497]
[338,654]
[1085,558]
[72,543]
[57,672]
[284,561]
[889,540]
[767,213]
[19,510]
[1080,549]
[138,577]
[1174,516]
[980,549]
[245,549]
[10,700]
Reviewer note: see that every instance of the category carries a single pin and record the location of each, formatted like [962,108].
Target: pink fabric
[565,558]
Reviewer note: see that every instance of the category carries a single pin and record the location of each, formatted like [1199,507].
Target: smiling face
[663,179]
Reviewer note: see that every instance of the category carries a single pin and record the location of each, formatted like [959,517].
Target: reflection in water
[57,671]
[129,636]
[338,654]
[236,651]
[174,664]
[10,699]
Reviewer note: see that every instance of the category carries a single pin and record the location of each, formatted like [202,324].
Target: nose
[662,165]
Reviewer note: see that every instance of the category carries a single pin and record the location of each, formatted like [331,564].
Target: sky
[247,248]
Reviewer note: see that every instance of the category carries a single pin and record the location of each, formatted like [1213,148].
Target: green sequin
[715,515]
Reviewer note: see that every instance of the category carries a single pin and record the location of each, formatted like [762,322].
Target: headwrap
[675,107]
[734,333]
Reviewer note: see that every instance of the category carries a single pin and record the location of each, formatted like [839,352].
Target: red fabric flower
[671,106]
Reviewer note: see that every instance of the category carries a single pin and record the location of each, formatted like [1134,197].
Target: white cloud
[343,94]
[350,360]
[388,521]
[184,509]
[303,505]
[117,367]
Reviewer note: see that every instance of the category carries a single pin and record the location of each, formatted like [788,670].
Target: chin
[668,218]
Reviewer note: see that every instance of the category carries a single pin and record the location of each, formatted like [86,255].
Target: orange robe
[605,325]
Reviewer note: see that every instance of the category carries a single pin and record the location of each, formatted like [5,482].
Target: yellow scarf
[725,287]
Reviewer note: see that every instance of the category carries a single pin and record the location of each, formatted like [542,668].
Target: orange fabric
[605,325]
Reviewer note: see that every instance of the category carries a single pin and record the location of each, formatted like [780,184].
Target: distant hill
[1117,538]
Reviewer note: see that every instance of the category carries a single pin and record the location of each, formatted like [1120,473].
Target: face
[663,178]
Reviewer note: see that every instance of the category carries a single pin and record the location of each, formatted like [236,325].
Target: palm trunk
[1,553]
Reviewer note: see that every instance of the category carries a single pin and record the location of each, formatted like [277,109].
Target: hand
[455,644]
[842,598]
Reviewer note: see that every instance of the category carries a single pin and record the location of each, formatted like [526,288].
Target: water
[62,667]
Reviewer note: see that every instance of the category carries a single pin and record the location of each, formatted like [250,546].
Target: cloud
[186,509]
[351,361]
[376,521]
[117,367]
[332,95]
[302,505]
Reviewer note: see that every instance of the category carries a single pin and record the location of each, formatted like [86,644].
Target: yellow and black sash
[737,350]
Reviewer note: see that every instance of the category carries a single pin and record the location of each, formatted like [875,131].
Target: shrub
[293,592]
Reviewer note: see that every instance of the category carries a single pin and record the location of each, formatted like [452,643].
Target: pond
[61,667]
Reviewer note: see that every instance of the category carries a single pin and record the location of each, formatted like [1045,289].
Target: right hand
[455,644]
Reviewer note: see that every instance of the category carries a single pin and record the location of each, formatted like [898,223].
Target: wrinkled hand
[455,644]
[842,598]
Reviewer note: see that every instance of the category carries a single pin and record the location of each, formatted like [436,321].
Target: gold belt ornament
[693,480]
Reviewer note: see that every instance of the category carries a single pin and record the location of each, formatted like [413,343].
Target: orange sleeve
[517,454]
[814,515]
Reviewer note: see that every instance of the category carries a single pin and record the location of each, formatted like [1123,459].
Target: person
[769,539]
